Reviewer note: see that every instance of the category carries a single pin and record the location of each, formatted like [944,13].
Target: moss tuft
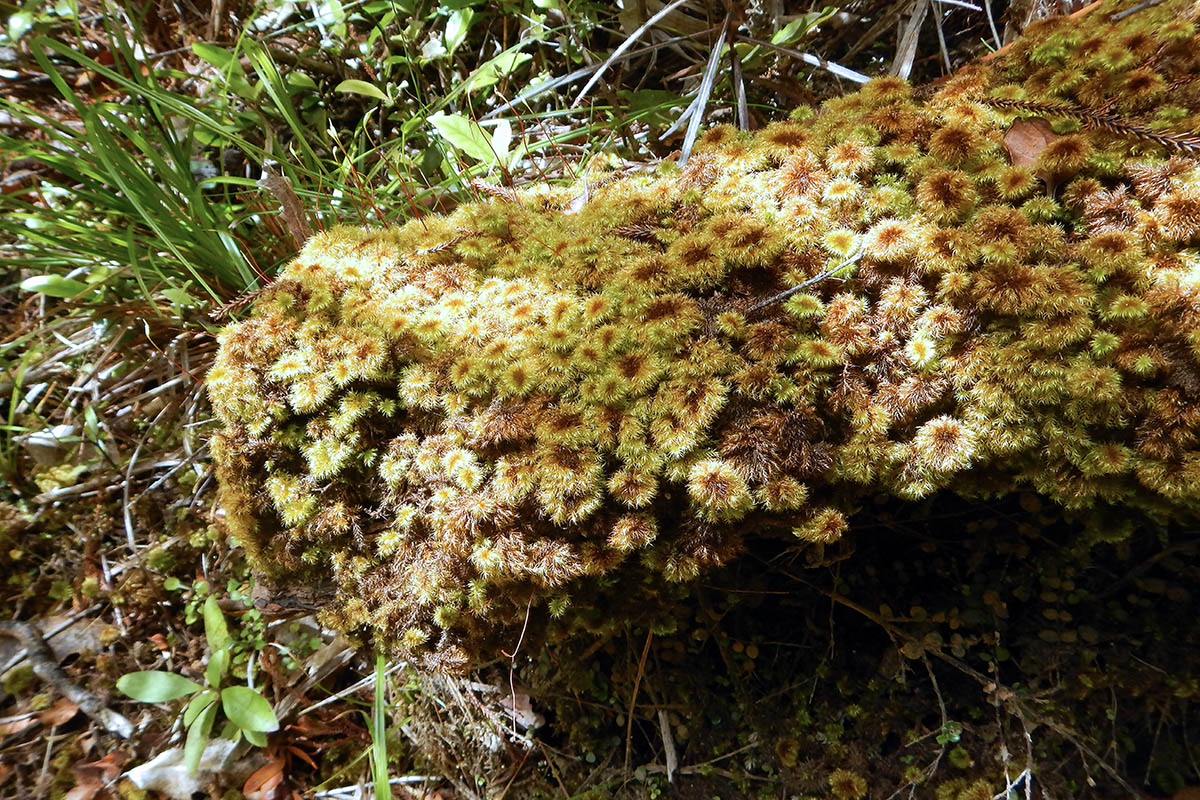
[516,409]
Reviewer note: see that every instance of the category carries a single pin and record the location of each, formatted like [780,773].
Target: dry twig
[41,658]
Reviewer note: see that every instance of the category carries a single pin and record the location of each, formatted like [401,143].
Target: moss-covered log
[563,401]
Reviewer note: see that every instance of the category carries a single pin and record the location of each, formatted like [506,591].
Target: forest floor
[162,161]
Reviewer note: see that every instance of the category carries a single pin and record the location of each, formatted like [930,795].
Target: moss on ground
[959,331]
[551,394]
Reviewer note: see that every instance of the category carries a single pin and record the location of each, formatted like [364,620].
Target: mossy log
[562,401]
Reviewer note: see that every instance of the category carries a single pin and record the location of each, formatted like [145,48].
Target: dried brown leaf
[1026,140]
[91,778]
[59,713]
[290,207]
[17,725]
[265,778]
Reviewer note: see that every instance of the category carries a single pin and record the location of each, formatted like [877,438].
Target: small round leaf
[248,709]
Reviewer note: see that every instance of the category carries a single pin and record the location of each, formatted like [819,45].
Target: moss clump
[526,405]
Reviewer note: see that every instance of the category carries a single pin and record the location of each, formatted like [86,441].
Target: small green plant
[950,734]
[248,714]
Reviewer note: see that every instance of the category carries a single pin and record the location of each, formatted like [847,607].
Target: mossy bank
[567,402]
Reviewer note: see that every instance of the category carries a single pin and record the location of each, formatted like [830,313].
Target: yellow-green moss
[459,420]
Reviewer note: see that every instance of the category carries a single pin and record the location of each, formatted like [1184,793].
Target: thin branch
[1186,143]
[987,6]
[637,682]
[1140,6]
[553,83]
[809,58]
[45,666]
[937,24]
[625,45]
[831,273]
[739,90]
[960,4]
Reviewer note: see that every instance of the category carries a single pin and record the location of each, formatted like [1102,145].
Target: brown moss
[460,419]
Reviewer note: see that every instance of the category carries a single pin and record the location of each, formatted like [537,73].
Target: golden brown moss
[474,417]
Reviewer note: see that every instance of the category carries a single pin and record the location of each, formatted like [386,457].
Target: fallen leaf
[73,636]
[92,777]
[265,778]
[303,756]
[85,789]
[1026,140]
[520,708]
[167,774]
[60,712]
[111,763]
[17,725]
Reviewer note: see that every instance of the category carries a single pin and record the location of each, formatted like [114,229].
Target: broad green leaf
[492,71]
[256,738]
[244,89]
[20,23]
[152,686]
[172,584]
[457,28]
[501,139]
[300,82]
[798,28]
[198,704]
[334,15]
[197,737]
[180,297]
[653,105]
[218,664]
[353,86]
[215,629]
[91,426]
[248,709]
[219,57]
[54,286]
[465,134]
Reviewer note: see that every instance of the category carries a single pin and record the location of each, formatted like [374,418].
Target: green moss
[539,403]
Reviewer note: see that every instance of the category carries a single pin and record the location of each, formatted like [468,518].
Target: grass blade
[562,80]
[379,748]
[625,45]
[739,90]
[809,58]
[702,94]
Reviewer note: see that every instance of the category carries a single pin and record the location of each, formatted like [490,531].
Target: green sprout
[248,714]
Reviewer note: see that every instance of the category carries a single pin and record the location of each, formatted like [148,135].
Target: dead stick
[41,658]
